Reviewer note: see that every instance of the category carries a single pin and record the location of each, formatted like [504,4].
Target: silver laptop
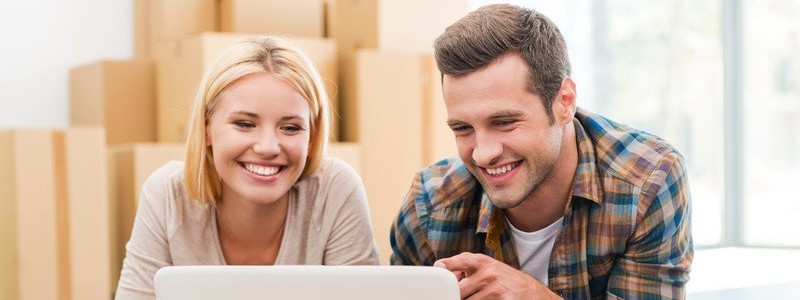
[305,282]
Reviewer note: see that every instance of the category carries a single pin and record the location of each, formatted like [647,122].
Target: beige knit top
[327,223]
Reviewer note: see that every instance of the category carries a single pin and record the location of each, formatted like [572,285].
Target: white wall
[41,40]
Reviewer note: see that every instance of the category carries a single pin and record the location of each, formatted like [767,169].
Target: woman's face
[259,135]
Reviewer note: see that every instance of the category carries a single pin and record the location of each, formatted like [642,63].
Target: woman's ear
[208,135]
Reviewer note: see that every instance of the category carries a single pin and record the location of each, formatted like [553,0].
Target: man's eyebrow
[506,114]
[451,122]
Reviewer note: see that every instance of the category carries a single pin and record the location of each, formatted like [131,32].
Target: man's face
[502,130]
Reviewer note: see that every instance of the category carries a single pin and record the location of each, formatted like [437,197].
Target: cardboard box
[388,26]
[282,17]
[129,165]
[118,95]
[415,75]
[391,25]
[29,257]
[179,74]
[161,21]
[9,269]
[84,234]
[348,152]
[385,117]
[396,113]
[438,139]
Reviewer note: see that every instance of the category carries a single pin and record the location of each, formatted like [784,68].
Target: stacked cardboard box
[129,165]
[391,95]
[29,256]
[396,114]
[390,25]
[158,21]
[375,56]
[84,231]
[117,95]
[304,18]
[55,209]
[349,153]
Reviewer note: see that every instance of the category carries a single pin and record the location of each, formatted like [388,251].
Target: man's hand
[482,277]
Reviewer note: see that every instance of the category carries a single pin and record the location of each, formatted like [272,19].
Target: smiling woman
[255,188]
[259,134]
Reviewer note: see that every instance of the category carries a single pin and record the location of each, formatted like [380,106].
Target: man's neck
[547,202]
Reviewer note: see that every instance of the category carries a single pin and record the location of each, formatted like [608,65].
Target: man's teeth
[261,170]
[501,170]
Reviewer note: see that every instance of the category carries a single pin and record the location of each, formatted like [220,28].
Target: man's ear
[564,105]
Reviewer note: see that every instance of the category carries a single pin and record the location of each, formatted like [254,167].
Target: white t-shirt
[327,223]
[533,248]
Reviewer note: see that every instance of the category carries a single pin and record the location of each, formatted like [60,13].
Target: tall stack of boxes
[159,22]
[29,255]
[84,220]
[129,165]
[55,213]
[69,196]
[391,94]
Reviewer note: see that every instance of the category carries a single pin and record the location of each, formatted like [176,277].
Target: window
[771,111]
[659,68]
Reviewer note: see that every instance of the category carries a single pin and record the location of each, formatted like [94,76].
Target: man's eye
[503,123]
[460,129]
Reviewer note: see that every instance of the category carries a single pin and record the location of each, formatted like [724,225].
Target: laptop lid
[305,282]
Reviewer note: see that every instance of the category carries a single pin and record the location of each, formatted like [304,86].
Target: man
[547,200]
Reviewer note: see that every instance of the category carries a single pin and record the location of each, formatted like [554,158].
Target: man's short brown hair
[492,31]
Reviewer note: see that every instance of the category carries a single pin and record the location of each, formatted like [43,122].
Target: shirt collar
[587,183]
[485,214]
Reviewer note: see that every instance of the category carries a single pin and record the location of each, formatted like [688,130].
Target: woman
[254,188]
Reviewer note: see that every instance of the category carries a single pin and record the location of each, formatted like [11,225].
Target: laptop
[305,282]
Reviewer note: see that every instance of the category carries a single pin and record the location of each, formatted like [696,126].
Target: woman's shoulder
[333,169]
[166,175]
[333,181]
[167,184]
[166,179]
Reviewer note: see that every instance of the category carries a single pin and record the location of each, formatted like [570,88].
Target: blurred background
[719,79]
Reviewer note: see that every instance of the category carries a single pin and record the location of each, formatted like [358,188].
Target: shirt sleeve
[148,249]
[657,260]
[351,241]
[408,238]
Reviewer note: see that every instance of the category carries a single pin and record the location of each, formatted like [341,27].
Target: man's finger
[469,286]
[439,264]
[465,262]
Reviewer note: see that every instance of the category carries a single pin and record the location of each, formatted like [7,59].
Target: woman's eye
[292,128]
[244,124]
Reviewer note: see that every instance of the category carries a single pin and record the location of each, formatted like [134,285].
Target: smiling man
[546,200]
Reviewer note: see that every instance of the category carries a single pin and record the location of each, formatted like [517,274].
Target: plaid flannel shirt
[626,230]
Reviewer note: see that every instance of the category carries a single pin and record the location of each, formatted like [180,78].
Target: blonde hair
[259,54]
